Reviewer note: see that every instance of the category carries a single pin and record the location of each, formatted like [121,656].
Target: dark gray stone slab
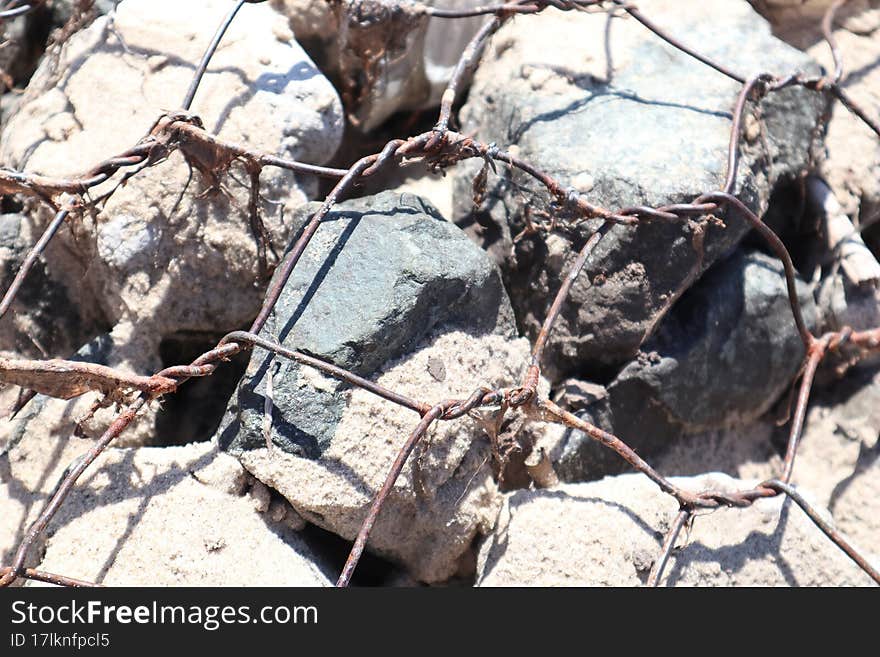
[380,274]
[649,126]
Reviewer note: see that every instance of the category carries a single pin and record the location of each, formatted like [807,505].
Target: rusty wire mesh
[438,149]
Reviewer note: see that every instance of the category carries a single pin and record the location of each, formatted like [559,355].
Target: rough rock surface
[613,130]
[157,265]
[445,496]
[726,351]
[387,288]
[721,357]
[839,455]
[608,533]
[837,461]
[42,319]
[179,516]
[386,57]
[799,21]
[855,179]
[378,276]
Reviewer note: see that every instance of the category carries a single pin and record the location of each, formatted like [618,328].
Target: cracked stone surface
[608,533]
[390,290]
[173,516]
[158,267]
[611,126]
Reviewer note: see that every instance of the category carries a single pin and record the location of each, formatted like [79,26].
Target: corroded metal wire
[441,148]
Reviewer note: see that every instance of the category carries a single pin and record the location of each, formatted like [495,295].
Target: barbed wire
[439,149]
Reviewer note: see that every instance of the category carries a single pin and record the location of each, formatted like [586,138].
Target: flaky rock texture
[386,289]
[166,240]
[608,533]
[445,496]
[175,516]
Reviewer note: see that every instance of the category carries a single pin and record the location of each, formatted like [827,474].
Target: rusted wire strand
[466,63]
[376,506]
[57,499]
[722,198]
[562,294]
[49,578]
[668,545]
[828,33]
[635,13]
[829,530]
[442,148]
[814,357]
[209,53]
[249,339]
[748,88]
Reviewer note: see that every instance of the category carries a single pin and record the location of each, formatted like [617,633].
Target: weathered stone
[799,22]
[649,126]
[608,533]
[167,252]
[386,288]
[721,357]
[446,495]
[386,55]
[43,319]
[174,516]
[852,166]
[381,273]
[838,454]
[837,459]
[726,351]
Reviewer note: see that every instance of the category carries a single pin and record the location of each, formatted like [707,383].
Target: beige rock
[386,59]
[167,253]
[445,496]
[837,457]
[174,516]
[852,167]
[836,462]
[608,533]
[799,21]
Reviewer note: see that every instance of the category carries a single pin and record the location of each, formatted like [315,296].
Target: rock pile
[677,336]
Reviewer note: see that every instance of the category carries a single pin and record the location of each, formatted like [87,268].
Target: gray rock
[609,532]
[43,319]
[377,278]
[726,351]
[649,126]
[391,291]
[722,356]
